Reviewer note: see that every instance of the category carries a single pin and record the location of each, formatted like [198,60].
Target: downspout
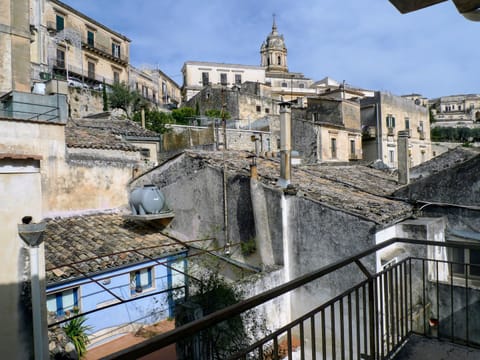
[379,131]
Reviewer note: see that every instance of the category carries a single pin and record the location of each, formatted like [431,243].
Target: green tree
[217,114]
[183,115]
[123,98]
[154,120]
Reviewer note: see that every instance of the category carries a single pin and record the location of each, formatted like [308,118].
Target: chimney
[403,170]
[285,144]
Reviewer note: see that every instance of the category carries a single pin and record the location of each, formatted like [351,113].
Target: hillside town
[249,212]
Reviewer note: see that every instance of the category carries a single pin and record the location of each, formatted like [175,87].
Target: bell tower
[274,52]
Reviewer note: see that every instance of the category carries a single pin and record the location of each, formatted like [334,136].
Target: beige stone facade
[382,117]
[15,39]
[155,86]
[456,111]
[82,47]
[329,130]
[197,75]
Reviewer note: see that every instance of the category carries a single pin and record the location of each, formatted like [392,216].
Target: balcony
[377,317]
[390,131]
[103,51]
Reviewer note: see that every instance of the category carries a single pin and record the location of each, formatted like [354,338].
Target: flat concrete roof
[418,347]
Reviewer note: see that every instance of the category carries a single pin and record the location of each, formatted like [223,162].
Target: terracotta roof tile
[102,241]
[356,189]
[104,134]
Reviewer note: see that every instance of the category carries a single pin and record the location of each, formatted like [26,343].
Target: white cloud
[368,43]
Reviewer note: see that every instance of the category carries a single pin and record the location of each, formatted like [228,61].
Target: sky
[367,43]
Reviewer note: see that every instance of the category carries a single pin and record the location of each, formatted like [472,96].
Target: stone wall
[83,102]
[185,137]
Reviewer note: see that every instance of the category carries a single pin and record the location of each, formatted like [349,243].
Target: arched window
[268,61]
[279,60]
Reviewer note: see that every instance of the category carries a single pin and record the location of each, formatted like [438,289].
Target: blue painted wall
[147,310]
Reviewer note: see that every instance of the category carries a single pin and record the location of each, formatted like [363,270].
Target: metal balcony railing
[370,320]
[105,51]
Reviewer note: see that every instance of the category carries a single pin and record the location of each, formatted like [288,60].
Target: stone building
[456,111]
[273,71]
[382,117]
[285,85]
[197,75]
[79,46]
[169,94]
[48,168]
[329,129]
[15,38]
[249,105]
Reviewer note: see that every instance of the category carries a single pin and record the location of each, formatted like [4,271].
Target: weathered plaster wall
[194,191]
[305,139]
[72,179]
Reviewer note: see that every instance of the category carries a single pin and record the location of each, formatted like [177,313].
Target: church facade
[273,71]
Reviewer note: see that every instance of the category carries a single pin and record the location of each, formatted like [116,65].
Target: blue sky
[367,43]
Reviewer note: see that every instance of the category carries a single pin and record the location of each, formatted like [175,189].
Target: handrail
[162,340]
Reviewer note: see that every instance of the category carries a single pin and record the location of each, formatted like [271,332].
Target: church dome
[274,52]
[274,40]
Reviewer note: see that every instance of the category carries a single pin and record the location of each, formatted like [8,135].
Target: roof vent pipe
[285,144]
[403,157]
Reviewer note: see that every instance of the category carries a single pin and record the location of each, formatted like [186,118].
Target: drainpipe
[32,235]
[403,170]
[285,144]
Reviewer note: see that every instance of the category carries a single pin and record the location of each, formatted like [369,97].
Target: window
[259,108]
[90,38]
[223,78]
[116,50]
[145,152]
[390,121]
[315,117]
[63,301]
[420,126]
[141,280]
[465,256]
[238,78]
[91,70]
[267,111]
[116,77]
[407,123]
[279,60]
[61,58]
[284,84]
[333,143]
[391,156]
[301,85]
[60,23]
[352,147]
[205,79]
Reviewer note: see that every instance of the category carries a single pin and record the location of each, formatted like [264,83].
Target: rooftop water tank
[146,200]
